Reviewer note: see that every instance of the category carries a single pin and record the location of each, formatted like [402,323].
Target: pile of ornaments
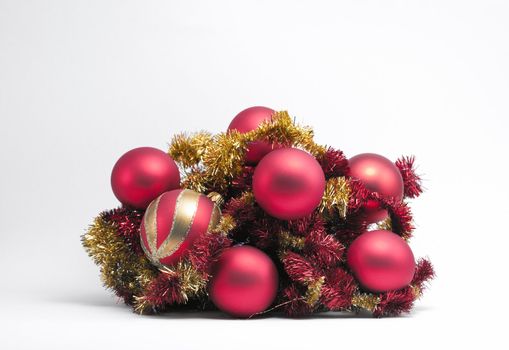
[170,212]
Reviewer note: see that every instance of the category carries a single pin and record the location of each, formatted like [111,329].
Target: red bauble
[142,174]
[288,183]
[381,260]
[173,221]
[380,175]
[244,281]
[247,120]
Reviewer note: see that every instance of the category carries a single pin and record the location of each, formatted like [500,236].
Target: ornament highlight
[380,175]
[247,120]
[381,260]
[244,281]
[173,221]
[288,183]
[142,174]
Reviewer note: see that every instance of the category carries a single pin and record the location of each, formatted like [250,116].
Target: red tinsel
[262,238]
[359,194]
[306,225]
[338,289]
[411,180]
[394,303]
[401,217]
[334,163]
[423,272]
[127,221]
[300,269]
[347,230]
[295,304]
[164,290]
[205,251]
[243,182]
[323,248]
[242,210]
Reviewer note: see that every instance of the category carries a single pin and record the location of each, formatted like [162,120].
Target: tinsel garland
[309,252]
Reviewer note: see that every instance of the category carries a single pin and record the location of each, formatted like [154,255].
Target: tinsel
[334,163]
[212,162]
[309,252]
[412,181]
[122,269]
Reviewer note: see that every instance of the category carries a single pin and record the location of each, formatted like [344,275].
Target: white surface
[81,82]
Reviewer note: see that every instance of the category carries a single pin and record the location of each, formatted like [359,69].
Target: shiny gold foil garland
[314,291]
[365,301]
[188,150]
[289,241]
[120,267]
[386,224]
[335,197]
[213,161]
[225,225]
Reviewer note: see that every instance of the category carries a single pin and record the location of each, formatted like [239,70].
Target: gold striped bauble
[173,221]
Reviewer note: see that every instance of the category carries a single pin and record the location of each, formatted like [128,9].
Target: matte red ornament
[142,174]
[380,175]
[172,223]
[381,260]
[244,281]
[247,120]
[288,183]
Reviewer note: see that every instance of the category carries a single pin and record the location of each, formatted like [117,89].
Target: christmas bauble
[380,175]
[244,281]
[173,221]
[142,174]
[381,260]
[288,183]
[247,120]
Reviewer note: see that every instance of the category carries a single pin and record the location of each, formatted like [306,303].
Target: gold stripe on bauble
[183,217]
[150,222]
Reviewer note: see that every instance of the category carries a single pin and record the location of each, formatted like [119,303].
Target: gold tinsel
[289,241]
[248,198]
[365,301]
[416,291]
[282,129]
[225,225]
[191,281]
[213,161]
[224,157]
[195,180]
[335,197]
[385,224]
[189,150]
[120,267]
[314,291]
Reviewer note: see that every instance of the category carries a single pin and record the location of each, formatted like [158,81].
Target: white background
[81,82]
